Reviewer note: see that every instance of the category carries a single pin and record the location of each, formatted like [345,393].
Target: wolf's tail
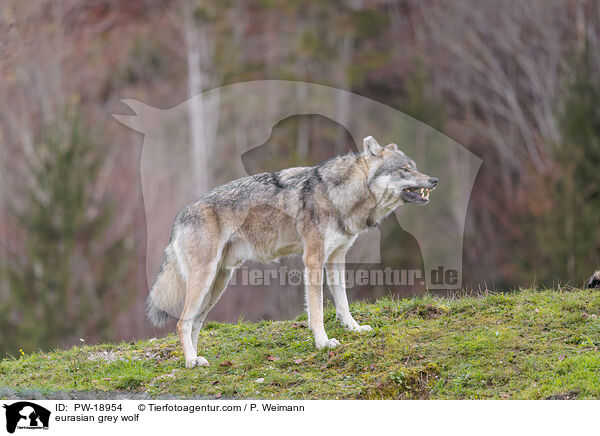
[168,292]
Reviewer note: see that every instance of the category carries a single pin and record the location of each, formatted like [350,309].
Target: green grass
[521,345]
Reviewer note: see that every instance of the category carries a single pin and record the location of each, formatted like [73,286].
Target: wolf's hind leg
[200,280]
[336,278]
[218,288]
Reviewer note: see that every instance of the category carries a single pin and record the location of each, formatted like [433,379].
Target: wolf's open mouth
[417,194]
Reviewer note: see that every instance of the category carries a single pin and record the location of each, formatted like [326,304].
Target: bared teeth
[423,192]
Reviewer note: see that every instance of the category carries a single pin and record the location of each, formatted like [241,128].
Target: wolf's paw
[329,343]
[354,327]
[196,361]
[332,343]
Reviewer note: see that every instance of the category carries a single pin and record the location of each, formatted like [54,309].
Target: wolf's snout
[433,181]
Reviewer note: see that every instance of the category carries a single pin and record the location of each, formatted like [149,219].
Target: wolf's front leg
[313,279]
[336,278]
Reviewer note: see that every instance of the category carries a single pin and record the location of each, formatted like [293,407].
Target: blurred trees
[578,154]
[492,75]
[67,279]
[499,70]
[207,41]
[564,222]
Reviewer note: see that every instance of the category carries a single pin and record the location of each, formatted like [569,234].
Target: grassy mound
[521,345]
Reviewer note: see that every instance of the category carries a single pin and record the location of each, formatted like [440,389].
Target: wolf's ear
[371,146]
[392,146]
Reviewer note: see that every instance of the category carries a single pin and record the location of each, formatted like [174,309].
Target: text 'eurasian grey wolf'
[317,212]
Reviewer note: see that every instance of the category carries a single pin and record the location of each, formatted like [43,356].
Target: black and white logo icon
[26,415]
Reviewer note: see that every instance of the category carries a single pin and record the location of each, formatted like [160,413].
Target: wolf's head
[393,176]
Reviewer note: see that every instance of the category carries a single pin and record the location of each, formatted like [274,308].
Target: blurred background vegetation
[517,83]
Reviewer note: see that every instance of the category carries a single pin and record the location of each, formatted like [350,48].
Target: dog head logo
[209,140]
[26,415]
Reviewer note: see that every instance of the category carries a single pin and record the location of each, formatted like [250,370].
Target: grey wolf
[594,281]
[316,212]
